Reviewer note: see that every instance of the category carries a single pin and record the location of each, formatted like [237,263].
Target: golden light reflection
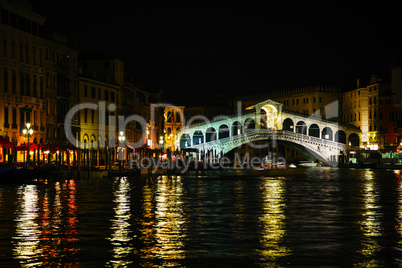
[164,233]
[272,221]
[370,225]
[170,223]
[147,232]
[27,236]
[398,227]
[59,225]
[121,238]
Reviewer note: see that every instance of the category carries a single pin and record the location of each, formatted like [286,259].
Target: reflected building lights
[121,238]
[147,231]
[59,226]
[71,233]
[163,228]
[272,220]
[398,226]
[169,220]
[27,236]
[370,225]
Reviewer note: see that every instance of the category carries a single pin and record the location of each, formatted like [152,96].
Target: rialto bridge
[315,138]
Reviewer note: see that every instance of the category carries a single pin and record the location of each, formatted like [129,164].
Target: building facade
[100,82]
[361,107]
[38,76]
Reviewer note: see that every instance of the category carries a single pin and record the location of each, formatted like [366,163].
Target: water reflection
[398,226]
[169,219]
[27,236]
[59,225]
[121,238]
[272,221]
[163,226]
[46,231]
[371,223]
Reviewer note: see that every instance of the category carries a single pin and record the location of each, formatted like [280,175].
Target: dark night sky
[245,48]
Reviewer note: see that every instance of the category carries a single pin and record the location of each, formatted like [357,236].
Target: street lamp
[121,141]
[28,131]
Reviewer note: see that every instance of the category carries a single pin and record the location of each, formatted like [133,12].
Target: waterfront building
[156,128]
[103,81]
[173,123]
[100,82]
[361,108]
[390,126]
[390,112]
[38,74]
[321,101]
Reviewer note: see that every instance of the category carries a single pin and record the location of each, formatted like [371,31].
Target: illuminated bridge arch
[185,141]
[210,134]
[321,139]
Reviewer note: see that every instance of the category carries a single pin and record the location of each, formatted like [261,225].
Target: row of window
[21,23]
[26,81]
[305,101]
[24,115]
[106,66]
[34,55]
[385,130]
[92,116]
[371,102]
[98,95]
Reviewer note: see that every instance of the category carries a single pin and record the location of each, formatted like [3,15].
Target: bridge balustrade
[270,134]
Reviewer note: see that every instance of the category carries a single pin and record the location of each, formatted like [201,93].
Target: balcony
[51,120]
[22,99]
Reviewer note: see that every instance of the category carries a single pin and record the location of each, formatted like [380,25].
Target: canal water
[314,216]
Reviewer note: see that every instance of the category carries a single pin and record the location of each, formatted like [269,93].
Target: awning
[23,147]
[67,147]
[50,147]
[5,143]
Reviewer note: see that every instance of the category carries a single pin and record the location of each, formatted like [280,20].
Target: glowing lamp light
[121,136]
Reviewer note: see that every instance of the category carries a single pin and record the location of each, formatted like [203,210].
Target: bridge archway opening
[249,125]
[327,133]
[268,115]
[314,131]
[198,137]
[236,128]
[354,140]
[301,127]
[223,132]
[288,124]
[210,134]
[185,141]
[340,136]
